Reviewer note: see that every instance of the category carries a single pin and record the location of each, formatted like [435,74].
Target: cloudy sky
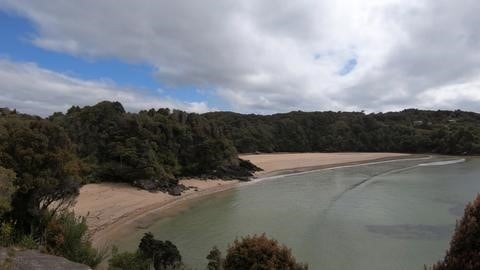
[252,56]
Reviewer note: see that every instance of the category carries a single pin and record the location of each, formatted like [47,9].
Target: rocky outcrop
[171,187]
[34,260]
[242,171]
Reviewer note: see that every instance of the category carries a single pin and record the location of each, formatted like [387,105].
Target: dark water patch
[413,231]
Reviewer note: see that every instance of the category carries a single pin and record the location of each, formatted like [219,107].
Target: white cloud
[274,55]
[35,90]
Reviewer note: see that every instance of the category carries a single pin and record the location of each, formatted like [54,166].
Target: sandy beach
[280,163]
[111,207]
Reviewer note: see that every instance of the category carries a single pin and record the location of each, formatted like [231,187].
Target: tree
[215,260]
[260,253]
[41,155]
[464,252]
[164,254]
[7,189]
[127,261]
[150,148]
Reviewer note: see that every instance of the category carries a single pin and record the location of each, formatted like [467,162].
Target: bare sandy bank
[112,207]
[279,163]
[109,206]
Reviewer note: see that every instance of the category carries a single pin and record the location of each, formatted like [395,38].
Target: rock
[34,260]
[177,190]
[147,184]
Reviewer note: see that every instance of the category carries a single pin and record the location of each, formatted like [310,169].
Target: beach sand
[280,163]
[112,207]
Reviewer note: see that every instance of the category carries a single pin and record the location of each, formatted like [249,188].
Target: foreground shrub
[464,250]
[260,252]
[160,254]
[28,242]
[164,254]
[249,253]
[7,189]
[128,260]
[6,234]
[215,260]
[66,236]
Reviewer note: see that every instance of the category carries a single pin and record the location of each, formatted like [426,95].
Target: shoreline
[309,169]
[146,207]
[137,219]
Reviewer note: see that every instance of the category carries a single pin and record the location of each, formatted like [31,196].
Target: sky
[249,56]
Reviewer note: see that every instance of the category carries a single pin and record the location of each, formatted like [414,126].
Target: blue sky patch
[348,67]
[16,34]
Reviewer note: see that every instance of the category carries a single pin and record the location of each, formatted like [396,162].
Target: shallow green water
[386,216]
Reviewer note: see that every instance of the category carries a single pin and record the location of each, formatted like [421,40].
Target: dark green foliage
[66,235]
[163,254]
[464,252]
[215,260]
[7,189]
[41,155]
[160,254]
[7,234]
[260,253]
[154,145]
[412,131]
[128,261]
[251,252]
[28,242]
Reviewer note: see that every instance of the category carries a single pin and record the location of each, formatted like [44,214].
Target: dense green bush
[215,260]
[464,252]
[67,235]
[128,260]
[40,153]
[260,252]
[157,145]
[151,252]
[7,189]
[7,234]
[251,252]
[163,254]
[28,242]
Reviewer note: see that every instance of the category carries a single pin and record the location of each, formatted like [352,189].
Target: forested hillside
[105,143]
[163,145]
[412,131]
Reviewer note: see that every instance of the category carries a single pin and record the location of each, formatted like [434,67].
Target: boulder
[35,260]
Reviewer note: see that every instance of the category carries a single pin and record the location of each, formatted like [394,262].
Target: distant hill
[410,131]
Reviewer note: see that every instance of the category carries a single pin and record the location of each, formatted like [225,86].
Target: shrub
[128,260]
[6,234]
[464,250]
[215,261]
[164,254]
[7,189]
[66,235]
[28,242]
[260,252]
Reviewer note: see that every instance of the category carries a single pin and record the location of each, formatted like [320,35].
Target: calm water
[386,216]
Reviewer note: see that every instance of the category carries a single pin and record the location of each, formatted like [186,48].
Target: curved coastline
[146,214]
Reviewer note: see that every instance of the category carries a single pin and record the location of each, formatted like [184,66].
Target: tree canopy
[464,252]
[40,153]
[410,131]
[159,145]
[260,253]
